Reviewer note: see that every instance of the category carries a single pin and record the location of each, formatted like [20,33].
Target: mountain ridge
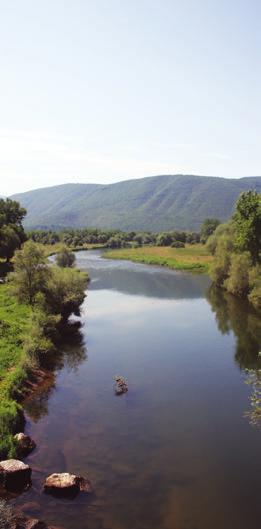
[156,203]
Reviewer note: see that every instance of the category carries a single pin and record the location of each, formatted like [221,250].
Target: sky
[107,90]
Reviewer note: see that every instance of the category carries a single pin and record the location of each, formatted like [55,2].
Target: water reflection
[233,314]
[71,353]
[138,279]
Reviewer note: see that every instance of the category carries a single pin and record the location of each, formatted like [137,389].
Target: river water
[177,451]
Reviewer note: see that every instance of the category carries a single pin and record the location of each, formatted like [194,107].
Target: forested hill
[154,203]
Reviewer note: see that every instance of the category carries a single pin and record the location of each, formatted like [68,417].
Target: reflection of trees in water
[71,353]
[236,315]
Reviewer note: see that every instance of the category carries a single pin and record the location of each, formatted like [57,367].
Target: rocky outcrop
[121,385]
[25,444]
[15,475]
[66,484]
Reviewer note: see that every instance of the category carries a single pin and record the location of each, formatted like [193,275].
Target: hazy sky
[105,90]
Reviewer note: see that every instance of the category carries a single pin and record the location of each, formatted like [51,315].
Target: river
[177,451]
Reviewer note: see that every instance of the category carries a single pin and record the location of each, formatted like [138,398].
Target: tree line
[236,247]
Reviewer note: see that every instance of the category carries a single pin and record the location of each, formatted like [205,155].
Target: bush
[30,274]
[164,239]
[6,515]
[65,291]
[255,286]
[65,258]
[238,281]
[41,336]
[177,244]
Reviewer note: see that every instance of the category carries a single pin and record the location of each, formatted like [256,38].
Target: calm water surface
[175,452]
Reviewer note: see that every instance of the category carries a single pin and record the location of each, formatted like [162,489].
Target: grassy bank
[14,321]
[193,258]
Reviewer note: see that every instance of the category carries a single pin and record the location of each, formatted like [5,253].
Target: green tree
[65,291]
[31,272]
[247,221]
[237,282]
[207,228]
[11,230]
[65,258]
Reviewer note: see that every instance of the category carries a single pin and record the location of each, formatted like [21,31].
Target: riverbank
[194,257]
[29,332]
[14,322]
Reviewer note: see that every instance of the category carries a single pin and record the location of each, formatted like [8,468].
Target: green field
[193,257]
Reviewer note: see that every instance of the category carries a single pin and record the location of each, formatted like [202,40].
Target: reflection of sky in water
[139,279]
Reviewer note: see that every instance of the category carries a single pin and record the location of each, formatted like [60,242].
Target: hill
[154,203]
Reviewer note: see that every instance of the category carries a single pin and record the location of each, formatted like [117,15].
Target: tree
[65,291]
[164,239]
[65,258]
[207,228]
[237,282]
[11,230]
[31,272]
[247,221]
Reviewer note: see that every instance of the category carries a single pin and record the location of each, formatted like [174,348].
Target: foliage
[236,248]
[164,239]
[65,291]
[237,282]
[11,230]
[41,336]
[247,221]
[177,244]
[65,258]
[30,274]
[255,286]
[207,228]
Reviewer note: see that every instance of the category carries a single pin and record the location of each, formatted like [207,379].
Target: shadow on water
[70,354]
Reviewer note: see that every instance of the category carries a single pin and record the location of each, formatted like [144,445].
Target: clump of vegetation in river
[236,248]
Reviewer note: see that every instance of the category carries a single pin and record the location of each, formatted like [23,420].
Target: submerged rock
[66,484]
[25,444]
[22,522]
[121,385]
[15,475]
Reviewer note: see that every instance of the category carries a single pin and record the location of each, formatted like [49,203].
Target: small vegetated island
[36,299]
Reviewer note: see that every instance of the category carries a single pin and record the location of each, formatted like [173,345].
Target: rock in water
[25,444]
[15,475]
[66,484]
[121,385]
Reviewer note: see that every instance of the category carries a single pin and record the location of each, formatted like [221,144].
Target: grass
[14,320]
[194,257]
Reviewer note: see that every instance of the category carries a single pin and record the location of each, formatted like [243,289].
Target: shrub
[65,291]
[255,286]
[65,258]
[40,337]
[30,274]
[177,244]
[238,281]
